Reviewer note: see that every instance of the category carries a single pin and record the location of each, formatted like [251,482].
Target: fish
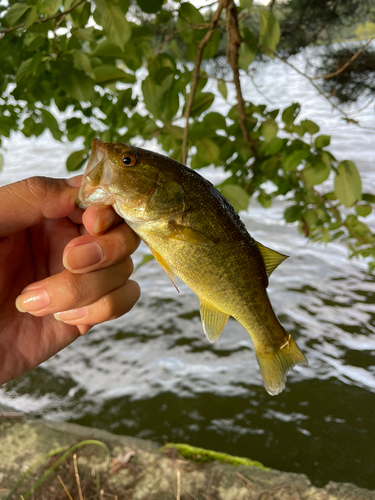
[196,235]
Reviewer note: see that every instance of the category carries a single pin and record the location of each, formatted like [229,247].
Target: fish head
[118,174]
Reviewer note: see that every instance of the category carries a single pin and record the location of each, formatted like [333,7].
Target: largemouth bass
[195,234]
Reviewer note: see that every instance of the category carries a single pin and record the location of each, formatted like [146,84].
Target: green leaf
[348,184]
[76,160]
[78,85]
[108,73]
[146,258]
[265,199]
[31,17]
[311,218]
[316,172]
[363,210]
[222,88]
[212,47]
[246,55]
[214,121]
[236,195]
[310,126]
[1,162]
[357,227]
[24,71]
[370,198]
[48,7]
[114,23]
[189,13]
[269,32]
[322,141]
[293,213]
[81,61]
[292,161]
[271,147]
[202,102]
[269,129]
[163,104]
[81,14]
[246,4]
[290,113]
[51,122]
[207,150]
[15,13]
[150,6]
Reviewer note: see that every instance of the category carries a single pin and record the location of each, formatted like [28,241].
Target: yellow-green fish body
[195,234]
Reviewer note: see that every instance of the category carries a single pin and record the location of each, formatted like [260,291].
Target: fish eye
[128,160]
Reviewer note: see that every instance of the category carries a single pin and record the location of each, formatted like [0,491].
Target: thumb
[25,203]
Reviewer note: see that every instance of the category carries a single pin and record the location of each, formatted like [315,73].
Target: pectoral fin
[213,321]
[271,258]
[165,266]
[183,233]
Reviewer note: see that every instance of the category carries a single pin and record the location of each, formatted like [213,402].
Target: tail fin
[275,366]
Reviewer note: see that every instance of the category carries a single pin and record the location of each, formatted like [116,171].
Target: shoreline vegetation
[47,460]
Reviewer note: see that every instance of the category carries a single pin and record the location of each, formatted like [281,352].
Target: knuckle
[37,186]
[74,287]
[129,266]
[108,307]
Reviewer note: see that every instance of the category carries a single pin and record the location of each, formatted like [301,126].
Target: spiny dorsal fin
[213,321]
[271,258]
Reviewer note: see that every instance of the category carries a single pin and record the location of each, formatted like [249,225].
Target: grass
[76,473]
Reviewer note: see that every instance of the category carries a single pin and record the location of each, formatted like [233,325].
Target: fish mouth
[98,176]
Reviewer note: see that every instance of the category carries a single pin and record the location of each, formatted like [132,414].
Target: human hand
[60,267]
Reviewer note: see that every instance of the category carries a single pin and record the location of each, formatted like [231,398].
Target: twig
[347,117]
[78,481]
[208,5]
[207,37]
[44,20]
[65,488]
[234,42]
[177,32]
[340,70]
[178,494]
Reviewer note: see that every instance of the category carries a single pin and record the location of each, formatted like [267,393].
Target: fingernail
[82,256]
[32,300]
[71,315]
[104,220]
[75,181]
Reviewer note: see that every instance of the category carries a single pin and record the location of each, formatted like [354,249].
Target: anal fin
[213,320]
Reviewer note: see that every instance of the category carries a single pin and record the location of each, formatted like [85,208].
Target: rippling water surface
[152,373]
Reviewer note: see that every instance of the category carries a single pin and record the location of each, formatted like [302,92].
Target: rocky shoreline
[140,469]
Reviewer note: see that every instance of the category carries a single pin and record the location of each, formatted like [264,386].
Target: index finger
[89,253]
[99,218]
[26,203]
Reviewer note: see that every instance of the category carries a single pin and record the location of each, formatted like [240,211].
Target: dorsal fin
[271,258]
[213,320]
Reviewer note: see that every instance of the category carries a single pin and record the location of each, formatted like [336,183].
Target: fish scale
[195,234]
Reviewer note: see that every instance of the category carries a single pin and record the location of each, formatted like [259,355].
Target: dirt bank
[138,469]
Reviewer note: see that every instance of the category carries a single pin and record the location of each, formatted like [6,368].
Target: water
[152,374]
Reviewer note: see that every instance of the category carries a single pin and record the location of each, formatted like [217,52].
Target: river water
[152,374]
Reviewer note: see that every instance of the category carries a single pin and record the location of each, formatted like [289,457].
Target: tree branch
[207,37]
[44,20]
[234,42]
[346,116]
[340,70]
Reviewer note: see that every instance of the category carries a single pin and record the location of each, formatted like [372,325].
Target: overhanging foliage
[121,70]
